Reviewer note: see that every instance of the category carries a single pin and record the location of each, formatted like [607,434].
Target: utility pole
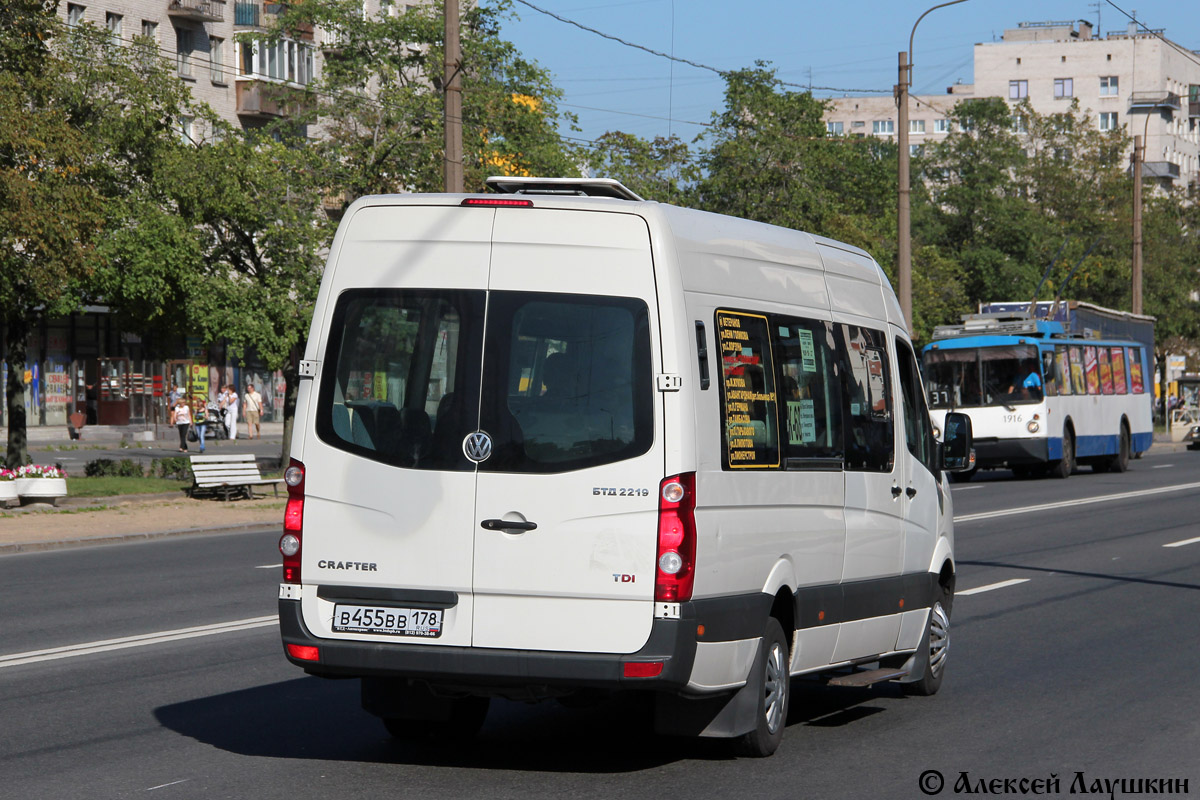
[452,88]
[1139,156]
[904,190]
[903,220]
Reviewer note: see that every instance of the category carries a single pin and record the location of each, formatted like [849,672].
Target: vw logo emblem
[477,446]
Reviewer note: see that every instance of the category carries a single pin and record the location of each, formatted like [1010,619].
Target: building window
[835,128]
[916,150]
[1018,89]
[858,124]
[883,126]
[150,30]
[1108,120]
[916,126]
[115,24]
[186,129]
[75,14]
[216,59]
[183,51]
[941,126]
[1018,123]
[1108,85]
[282,61]
[1064,87]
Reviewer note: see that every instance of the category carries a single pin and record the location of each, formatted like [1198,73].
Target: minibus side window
[867,402]
[749,401]
[810,393]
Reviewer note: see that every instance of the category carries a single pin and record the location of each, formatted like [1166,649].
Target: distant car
[1193,438]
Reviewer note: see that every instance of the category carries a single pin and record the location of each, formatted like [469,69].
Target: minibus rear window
[401,376]
[567,381]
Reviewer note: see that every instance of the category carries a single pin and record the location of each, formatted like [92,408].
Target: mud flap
[722,716]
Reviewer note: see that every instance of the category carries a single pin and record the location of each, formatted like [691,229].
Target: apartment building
[1130,78]
[198,38]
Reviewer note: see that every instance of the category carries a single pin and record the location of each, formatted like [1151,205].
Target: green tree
[973,208]
[769,158]
[48,208]
[660,169]
[379,101]
[262,235]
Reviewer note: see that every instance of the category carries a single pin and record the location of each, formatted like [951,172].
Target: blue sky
[610,86]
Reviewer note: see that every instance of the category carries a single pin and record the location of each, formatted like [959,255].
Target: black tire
[771,671]
[1065,465]
[1120,462]
[935,647]
[466,718]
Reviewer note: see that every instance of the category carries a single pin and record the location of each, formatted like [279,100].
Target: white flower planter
[8,492]
[41,488]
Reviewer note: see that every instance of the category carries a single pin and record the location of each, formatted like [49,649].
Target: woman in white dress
[231,410]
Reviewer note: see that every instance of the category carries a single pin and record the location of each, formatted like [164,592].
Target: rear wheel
[772,671]
[1065,465]
[1120,462]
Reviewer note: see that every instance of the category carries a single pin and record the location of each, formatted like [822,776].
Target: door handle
[911,492]
[896,490]
[507,525]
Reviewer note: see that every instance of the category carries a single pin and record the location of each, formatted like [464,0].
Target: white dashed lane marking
[991,587]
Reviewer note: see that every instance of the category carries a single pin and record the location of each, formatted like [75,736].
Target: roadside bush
[125,468]
[173,467]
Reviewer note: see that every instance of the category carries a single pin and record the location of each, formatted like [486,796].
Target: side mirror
[957,453]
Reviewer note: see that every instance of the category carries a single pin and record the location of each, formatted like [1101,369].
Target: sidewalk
[99,434]
[79,521]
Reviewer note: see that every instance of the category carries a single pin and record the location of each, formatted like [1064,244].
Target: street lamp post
[904,188]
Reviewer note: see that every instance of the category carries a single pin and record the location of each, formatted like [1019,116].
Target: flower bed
[8,486]
[41,482]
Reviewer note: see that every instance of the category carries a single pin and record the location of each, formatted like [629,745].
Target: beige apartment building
[1131,78]
[198,38]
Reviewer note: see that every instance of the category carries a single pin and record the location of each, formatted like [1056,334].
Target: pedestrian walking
[200,419]
[252,404]
[181,418]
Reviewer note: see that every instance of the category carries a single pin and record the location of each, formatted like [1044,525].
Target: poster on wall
[58,394]
[199,376]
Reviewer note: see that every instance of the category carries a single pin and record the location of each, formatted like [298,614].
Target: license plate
[423,622]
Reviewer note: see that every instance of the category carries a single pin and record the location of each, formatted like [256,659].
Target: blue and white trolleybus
[1042,398]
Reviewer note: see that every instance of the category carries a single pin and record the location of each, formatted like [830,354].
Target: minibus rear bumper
[672,642]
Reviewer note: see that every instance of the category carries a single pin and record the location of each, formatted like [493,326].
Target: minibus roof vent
[581,187]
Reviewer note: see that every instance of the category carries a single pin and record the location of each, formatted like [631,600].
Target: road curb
[62,544]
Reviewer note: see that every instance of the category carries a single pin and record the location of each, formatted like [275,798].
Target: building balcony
[265,100]
[261,16]
[1151,101]
[1160,169]
[197,10]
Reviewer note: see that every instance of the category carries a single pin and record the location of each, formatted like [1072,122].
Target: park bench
[228,475]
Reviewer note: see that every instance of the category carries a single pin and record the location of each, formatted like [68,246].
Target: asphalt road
[1086,665]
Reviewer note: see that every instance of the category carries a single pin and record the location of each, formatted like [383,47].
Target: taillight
[293,522]
[304,652]
[675,570]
